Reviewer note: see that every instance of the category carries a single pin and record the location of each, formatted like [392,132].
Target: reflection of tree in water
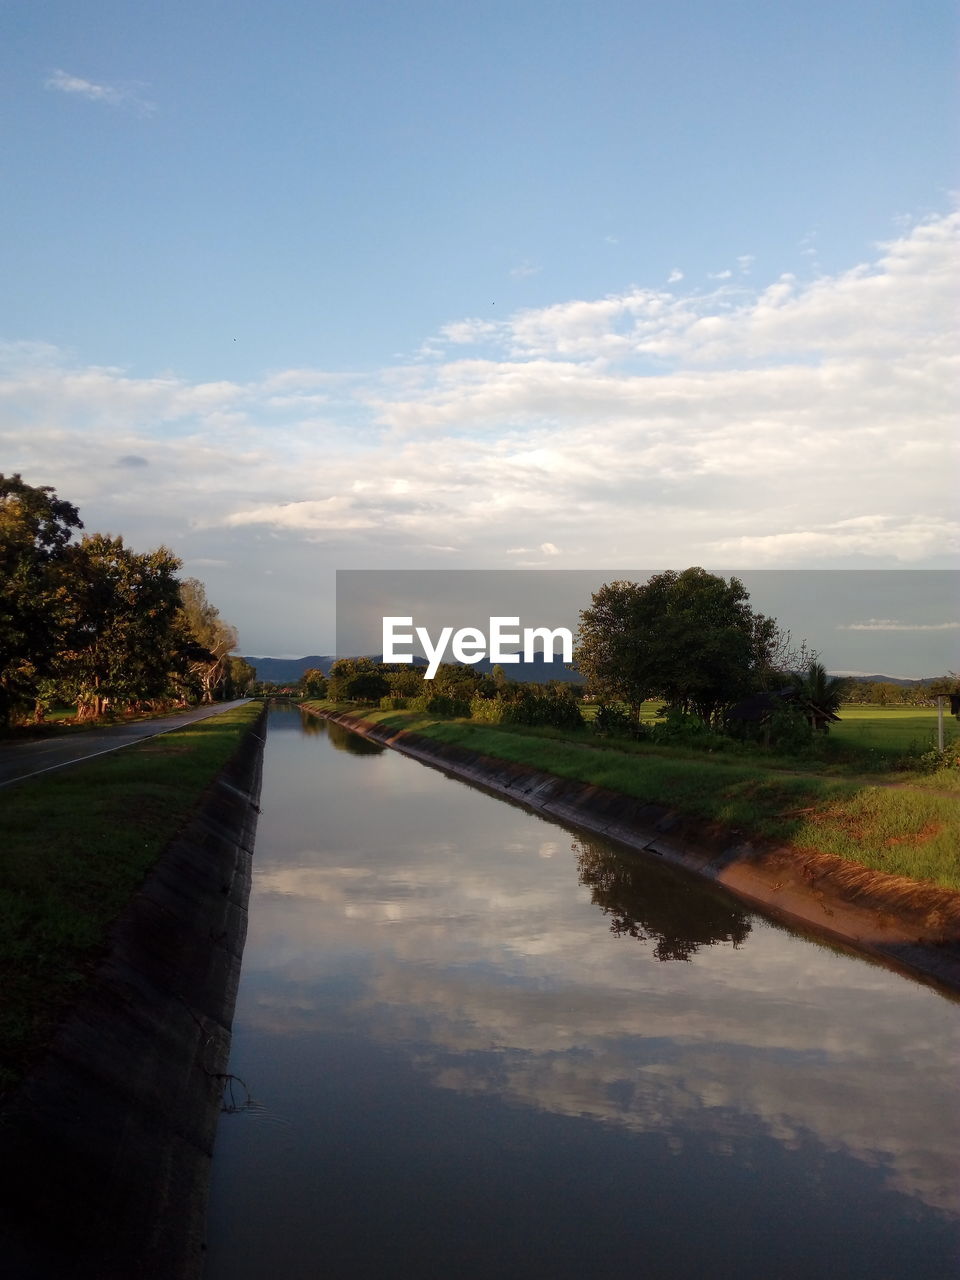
[313,726]
[650,904]
[344,740]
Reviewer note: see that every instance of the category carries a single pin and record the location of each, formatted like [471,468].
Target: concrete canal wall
[911,927]
[105,1153]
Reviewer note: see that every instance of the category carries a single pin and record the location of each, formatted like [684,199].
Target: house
[759,707]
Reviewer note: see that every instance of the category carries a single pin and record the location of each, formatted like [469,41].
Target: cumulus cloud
[792,424]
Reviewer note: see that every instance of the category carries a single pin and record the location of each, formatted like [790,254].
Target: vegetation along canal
[479,1045]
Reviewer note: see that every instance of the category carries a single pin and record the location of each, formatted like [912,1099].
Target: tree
[313,683]
[212,638]
[706,643]
[366,686]
[823,692]
[35,532]
[239,678]
[404,681]
[688,637]
[342,672]
[122,639]
[617,641]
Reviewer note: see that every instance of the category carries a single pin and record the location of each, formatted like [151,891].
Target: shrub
[614,722]
[390,703]
[440,704]
[934,760]
[681,729]
[526,705]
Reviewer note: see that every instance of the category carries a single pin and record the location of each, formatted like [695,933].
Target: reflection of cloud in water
[505,985]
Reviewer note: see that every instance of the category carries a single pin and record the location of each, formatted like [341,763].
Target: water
[478,1045]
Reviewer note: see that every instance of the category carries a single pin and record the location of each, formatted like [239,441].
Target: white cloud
[792,424]
[525,269]
[674,276]
[126,95]
[463,332]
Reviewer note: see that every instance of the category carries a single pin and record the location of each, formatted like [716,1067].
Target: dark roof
[760,705]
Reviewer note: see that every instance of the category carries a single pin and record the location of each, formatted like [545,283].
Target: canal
[471,1043]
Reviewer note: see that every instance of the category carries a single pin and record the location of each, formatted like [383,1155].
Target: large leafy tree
[689,637]
[123,640]
[95,622]
[35,532]
[706,650]
[617,641]
[343,671]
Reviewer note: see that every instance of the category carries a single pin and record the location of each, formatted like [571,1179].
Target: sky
[306,287]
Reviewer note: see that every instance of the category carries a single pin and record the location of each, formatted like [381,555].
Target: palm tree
[823,692]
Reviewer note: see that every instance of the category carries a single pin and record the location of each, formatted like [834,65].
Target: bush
[390,703]
[487,710]
[614,722]
[440,704]
[681,729]
[934,760]
[530,706]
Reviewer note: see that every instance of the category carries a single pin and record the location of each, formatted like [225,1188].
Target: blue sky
[294,288]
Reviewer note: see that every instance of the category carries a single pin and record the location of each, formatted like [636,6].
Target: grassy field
[77,844]
[900,823]
[902,729]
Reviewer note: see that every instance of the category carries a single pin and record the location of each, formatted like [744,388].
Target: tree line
[93,624]
[688,639]
[885,693]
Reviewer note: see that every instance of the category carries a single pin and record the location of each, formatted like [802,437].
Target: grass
[77,845]
[902,729]
[901,824]
[62,720]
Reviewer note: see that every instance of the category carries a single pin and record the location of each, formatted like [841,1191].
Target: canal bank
[106,1149]
[909,926]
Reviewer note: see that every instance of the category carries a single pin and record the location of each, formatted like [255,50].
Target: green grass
[901,729]
[906,828]
[77,844]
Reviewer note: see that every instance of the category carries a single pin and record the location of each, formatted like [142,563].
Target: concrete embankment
[908,926]
[105,1152]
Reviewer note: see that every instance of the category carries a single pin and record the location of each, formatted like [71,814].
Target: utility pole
[940,702]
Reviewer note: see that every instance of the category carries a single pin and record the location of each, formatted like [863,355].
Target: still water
[475,1044]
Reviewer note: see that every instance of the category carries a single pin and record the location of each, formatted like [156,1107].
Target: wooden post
[940,700]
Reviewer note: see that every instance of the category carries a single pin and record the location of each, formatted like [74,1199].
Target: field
[905,729]
[867,731]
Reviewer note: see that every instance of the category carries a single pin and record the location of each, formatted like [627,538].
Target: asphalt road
[22,760]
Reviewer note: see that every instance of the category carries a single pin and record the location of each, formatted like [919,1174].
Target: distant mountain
[289,670]
[900,680]
[539,671]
